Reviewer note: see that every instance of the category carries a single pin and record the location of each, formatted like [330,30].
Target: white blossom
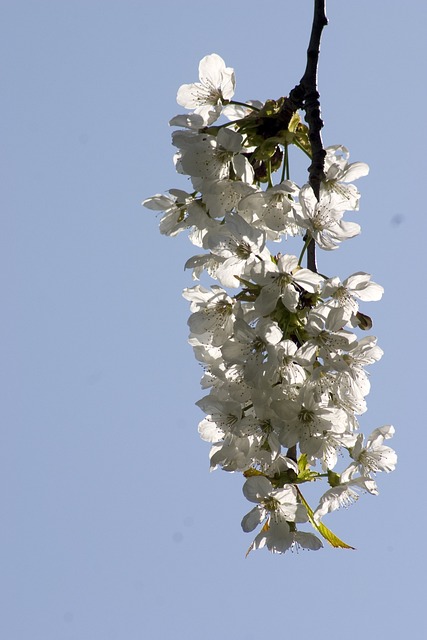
[281,502]
[239,245]
[278,537]
[374,456]
[323,218]
[283,281]
[343,495]
[342,306]
[338,173]
[216,86]
[272,210]
[212,313]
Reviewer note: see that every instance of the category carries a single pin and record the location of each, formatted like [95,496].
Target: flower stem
[285,168]
[270,183]
[243,104]
[297,144]
[306,243]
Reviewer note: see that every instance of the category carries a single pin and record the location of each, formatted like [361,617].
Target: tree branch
[306,96]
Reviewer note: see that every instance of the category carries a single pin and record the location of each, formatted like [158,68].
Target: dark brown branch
[306,96]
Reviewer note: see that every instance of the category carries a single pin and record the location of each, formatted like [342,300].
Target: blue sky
[111,525]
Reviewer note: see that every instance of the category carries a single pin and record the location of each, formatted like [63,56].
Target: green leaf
[302,462]
[330,536]
[324,531]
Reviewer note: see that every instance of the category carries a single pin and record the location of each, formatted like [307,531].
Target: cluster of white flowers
[284,370]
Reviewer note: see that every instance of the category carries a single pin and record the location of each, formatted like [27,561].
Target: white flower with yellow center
[282,502]
[372,457]
[284,280]
[212,313]
[215,88]
[323,218]
[342,306]
[338,173]
[343,495]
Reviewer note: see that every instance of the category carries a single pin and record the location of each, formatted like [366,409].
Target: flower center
[321,219]
[223,308]
[305,416]
[243,251]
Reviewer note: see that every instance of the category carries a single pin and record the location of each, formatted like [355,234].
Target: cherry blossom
[216,87]
[283,361]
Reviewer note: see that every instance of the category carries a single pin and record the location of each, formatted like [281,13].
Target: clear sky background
[111,526]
